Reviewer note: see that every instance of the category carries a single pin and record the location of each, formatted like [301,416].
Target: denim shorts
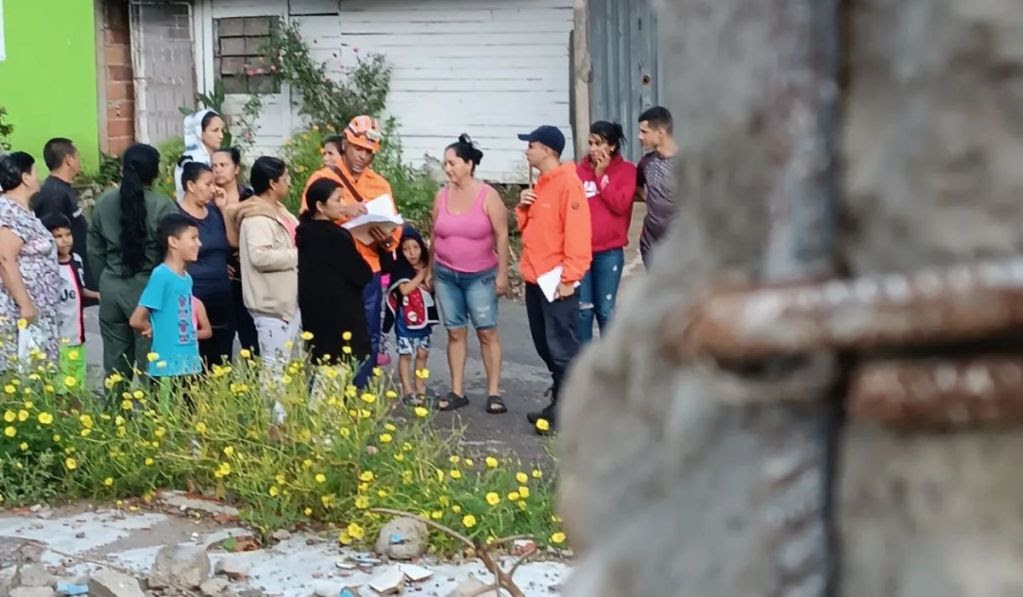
[463,297]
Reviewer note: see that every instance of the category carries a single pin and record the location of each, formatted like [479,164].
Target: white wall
[491,68]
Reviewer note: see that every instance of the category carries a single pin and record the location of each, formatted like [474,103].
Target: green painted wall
[48,79]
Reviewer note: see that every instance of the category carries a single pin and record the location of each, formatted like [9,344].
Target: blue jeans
[598,292]
[372,302]
[463,297]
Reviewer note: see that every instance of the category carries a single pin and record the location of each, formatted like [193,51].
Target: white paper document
[549,282]
[379,212]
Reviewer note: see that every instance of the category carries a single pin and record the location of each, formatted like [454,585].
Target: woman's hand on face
[602,161]
[502,284]
[219,196]
[30,313]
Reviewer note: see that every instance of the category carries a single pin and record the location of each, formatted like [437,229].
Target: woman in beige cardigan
[269,262]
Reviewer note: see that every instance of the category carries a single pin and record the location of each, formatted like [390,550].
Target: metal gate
[623,54]
[164,64]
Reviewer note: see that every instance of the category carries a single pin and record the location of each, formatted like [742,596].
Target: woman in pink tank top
[470,270]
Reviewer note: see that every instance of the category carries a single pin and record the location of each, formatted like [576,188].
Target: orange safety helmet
[364,131]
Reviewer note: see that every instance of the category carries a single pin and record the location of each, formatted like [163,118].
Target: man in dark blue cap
[554,218]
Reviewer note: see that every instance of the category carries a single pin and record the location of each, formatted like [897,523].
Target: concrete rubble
[174,553]
[403,539]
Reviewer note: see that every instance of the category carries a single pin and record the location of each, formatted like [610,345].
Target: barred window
[239,58]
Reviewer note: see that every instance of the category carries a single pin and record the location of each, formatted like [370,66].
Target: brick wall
[117,79]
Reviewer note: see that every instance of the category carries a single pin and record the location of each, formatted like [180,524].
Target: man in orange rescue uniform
[554,218]
[359,183]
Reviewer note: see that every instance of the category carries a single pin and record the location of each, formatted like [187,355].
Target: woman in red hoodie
[610,184]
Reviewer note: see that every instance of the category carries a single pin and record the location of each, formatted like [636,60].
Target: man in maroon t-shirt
[655,179]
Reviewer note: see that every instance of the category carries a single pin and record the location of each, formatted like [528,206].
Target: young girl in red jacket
[610,185]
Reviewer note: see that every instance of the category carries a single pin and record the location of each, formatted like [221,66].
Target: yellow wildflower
[543,424]
[377,371]
[346,349]
[70,464]
[453,459]
[557,538]
[468,521]
[201,427]
[108,481]
[423,373]
[22,323]
[344,538]
[86,432]
[493,499]
[10,416]
[422,412]
[406,447]
[307,336]
[382,493]
[228,451]
[491,462]
[321,478]
[399,457]
[274,492]
[245,353]
[85,420]
[366,476]
[345,432]
[72,354]
[10,389]
[365,414]
[362,502]
[149,462]
[22,415]
[513,496]
[346,336]
[368,397]
[456,509]
[159,432]
[10,431]
[127,405]
[537,473]
[56,438]
[455,473]
[521,478]
[385,438]
[524,492]
[152,357]
[23,446]
[436,514]
[355,531]
[280,479]
[138,395]
[468,462]
[308,511]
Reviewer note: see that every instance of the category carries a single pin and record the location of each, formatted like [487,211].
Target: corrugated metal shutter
[623,53]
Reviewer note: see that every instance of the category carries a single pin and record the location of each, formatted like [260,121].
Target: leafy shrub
[338,454]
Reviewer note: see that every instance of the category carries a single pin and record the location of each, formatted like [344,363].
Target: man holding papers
[361,186]
[554,218]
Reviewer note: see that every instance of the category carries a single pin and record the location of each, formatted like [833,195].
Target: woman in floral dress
[28,264]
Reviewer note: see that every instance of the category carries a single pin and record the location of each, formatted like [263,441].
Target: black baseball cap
[550,136]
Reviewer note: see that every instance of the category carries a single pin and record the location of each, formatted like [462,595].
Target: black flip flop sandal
[452,402]
[412,400]
[495,405]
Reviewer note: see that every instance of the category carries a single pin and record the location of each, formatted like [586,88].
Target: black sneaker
[546,413]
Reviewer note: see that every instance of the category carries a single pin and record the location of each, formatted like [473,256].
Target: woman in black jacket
[331,276]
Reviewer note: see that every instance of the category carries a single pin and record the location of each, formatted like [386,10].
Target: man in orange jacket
[359,183]
[554,218]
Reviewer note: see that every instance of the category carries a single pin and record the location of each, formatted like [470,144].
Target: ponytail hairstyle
[467,151]
[140,166]
[318,192]
[611,132]
[190,170]
[13,168]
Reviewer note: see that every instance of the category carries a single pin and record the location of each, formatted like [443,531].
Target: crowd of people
[182,282]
